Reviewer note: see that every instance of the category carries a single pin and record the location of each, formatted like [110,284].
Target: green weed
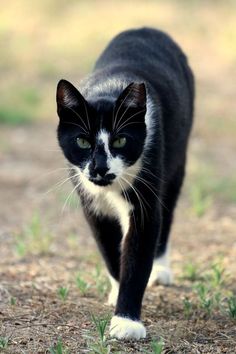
[209,291]
[101,282]
[205,298]
[58,348]
[191,272]
[34,239]
[101,346]
[4,342]
[101,325]
[200,199]
[63,293]
[13,301]
[231,303]
[82,285]
[217,275]
[188,307]
[157,346]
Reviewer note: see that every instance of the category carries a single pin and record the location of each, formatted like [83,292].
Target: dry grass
[49,287]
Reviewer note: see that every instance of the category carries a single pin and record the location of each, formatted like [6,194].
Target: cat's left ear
[133,96]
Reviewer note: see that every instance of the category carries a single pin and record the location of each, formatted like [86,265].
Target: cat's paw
[161,274]
[113,295]
[125,328]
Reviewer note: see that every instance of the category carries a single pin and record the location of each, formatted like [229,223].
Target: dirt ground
[33,317]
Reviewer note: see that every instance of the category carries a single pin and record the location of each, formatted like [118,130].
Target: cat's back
[152,56]
[144,47]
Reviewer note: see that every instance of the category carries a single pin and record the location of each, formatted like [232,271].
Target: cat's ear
[68,96]
[133,96]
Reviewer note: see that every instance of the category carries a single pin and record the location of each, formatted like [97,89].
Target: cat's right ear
[68,97]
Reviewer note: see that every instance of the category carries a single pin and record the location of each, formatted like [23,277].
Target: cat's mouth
[103,181]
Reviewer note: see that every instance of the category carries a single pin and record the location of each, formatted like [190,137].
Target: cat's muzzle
[103,181]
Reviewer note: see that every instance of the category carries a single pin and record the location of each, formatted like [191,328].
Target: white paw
[113,295]
[124,328]
[161,272]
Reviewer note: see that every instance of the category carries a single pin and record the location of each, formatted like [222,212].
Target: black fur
[150,57]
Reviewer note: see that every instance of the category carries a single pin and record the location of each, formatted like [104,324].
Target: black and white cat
[125,135]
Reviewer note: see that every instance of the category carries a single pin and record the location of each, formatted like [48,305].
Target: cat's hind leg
[113,295]
[161,270]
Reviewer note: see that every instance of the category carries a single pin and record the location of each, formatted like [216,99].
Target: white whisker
[78,125]
[117,125]
[38,178]
[152,174]
[114,122]
[70,194]
[147,184]
[117,131]
[142,207]
[125,122]
[78,115]
[87,115]
[60,183]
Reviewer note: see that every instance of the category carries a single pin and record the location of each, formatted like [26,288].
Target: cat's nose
[100,165]
[101,170]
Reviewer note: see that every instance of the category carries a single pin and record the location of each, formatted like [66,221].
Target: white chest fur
[108,201]
[113,204]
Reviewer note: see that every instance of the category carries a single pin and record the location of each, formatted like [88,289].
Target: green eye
[83,143]
[119,143]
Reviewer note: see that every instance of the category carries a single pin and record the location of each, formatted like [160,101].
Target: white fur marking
[104,137]
[113,295]
[161,271]
[125,328]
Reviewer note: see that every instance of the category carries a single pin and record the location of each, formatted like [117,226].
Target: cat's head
[104,136]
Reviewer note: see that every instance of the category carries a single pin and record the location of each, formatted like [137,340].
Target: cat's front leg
[108,235]
[136,263]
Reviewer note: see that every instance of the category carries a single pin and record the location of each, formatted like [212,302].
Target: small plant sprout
[191,272]
[101,325]
[188,306]
[217,275]
[99,346]
[63,293]
[34,238]
[200,198]
[231,302]
[157,346]
[58,348]
[206,300]
[82,285]
[12,300]
[101,282]
[4,342]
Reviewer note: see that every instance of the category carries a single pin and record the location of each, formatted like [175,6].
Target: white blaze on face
[115,164]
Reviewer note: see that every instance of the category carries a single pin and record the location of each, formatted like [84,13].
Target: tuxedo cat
[125,134]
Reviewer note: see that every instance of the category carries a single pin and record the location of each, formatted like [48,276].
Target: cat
[125,135]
